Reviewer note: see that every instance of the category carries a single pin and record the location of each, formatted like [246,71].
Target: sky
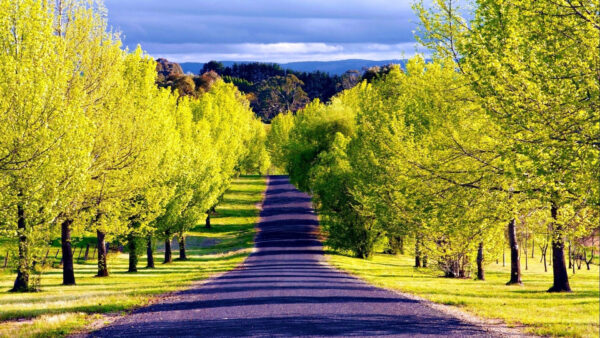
[267,30]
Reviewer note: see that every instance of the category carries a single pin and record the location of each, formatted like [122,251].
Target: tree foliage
[500,128]
[90,144]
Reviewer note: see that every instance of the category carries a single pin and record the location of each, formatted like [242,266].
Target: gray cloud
[266,30]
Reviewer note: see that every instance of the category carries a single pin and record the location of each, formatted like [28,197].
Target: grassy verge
[575,314]
[59,310]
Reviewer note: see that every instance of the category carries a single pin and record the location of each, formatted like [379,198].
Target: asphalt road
[284,289]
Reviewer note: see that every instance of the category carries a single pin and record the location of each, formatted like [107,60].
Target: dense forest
[269,88]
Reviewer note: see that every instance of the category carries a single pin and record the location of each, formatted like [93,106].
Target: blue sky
[267,30]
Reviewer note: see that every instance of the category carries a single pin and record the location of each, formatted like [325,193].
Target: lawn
[59,310]
[575,314]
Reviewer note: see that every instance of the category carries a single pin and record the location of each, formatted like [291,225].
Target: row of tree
[501,131]
[90,144]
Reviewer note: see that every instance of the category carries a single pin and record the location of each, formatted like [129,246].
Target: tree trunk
[87,252]
[133,256]
[425,261]
[102,252]
[480,271]
[401,244]
[417,252]
[515,262]
[559,269]
[67,253]
[22,281]
[585,259]
[207,226]
[544,250]
[525,254]
[150,253]
[570,255]
[182,253]
[168,252]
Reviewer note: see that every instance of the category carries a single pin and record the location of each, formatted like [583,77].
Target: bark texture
[133,256]
[182,252]
[559,268]
[22,280]
[102,253]
[149,253]
[515,260]
[67,252]
[480,271]
[168,252]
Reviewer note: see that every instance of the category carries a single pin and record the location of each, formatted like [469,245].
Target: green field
[59,310]
[548,314]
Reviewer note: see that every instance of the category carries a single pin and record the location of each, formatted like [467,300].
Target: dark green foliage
[279,94]
[242,84]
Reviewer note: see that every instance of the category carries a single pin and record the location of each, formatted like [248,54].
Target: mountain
[332,67]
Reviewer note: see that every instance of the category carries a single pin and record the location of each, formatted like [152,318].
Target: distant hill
[331,67]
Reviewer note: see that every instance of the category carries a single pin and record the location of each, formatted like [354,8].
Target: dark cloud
[200,30]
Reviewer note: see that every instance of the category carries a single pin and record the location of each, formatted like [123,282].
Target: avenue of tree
[494,143]
[90,143]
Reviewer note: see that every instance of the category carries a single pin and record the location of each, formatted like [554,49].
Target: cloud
[266,30]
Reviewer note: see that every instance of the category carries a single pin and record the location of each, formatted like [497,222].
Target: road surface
[285,289]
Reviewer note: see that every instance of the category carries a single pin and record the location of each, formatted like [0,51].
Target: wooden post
[46,257]
[87,252]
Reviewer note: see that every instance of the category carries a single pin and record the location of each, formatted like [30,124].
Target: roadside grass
[574,314]
[59,310]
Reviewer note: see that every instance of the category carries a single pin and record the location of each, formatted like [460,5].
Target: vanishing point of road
[285,289]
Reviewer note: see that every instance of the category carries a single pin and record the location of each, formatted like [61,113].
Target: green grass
[60,310]
[549,314]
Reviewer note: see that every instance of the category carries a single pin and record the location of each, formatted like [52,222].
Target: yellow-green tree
[45,145]
[534,66]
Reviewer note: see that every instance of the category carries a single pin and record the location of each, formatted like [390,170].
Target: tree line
[493,143]
[90,143]
[273,90]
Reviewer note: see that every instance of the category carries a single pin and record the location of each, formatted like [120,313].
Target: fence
[51,257]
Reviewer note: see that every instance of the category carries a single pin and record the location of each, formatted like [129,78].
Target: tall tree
[535,67]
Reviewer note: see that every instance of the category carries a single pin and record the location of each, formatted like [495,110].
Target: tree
[280,94]
[44,143]
[540,88]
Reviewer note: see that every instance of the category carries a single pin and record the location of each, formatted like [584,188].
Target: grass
[60,310]
[574,314]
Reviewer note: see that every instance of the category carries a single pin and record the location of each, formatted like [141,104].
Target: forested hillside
[335,67]
[270,89]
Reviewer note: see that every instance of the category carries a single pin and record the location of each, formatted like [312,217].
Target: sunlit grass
[575,314]
[58,310]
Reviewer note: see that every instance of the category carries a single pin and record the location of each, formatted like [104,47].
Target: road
[285,289]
